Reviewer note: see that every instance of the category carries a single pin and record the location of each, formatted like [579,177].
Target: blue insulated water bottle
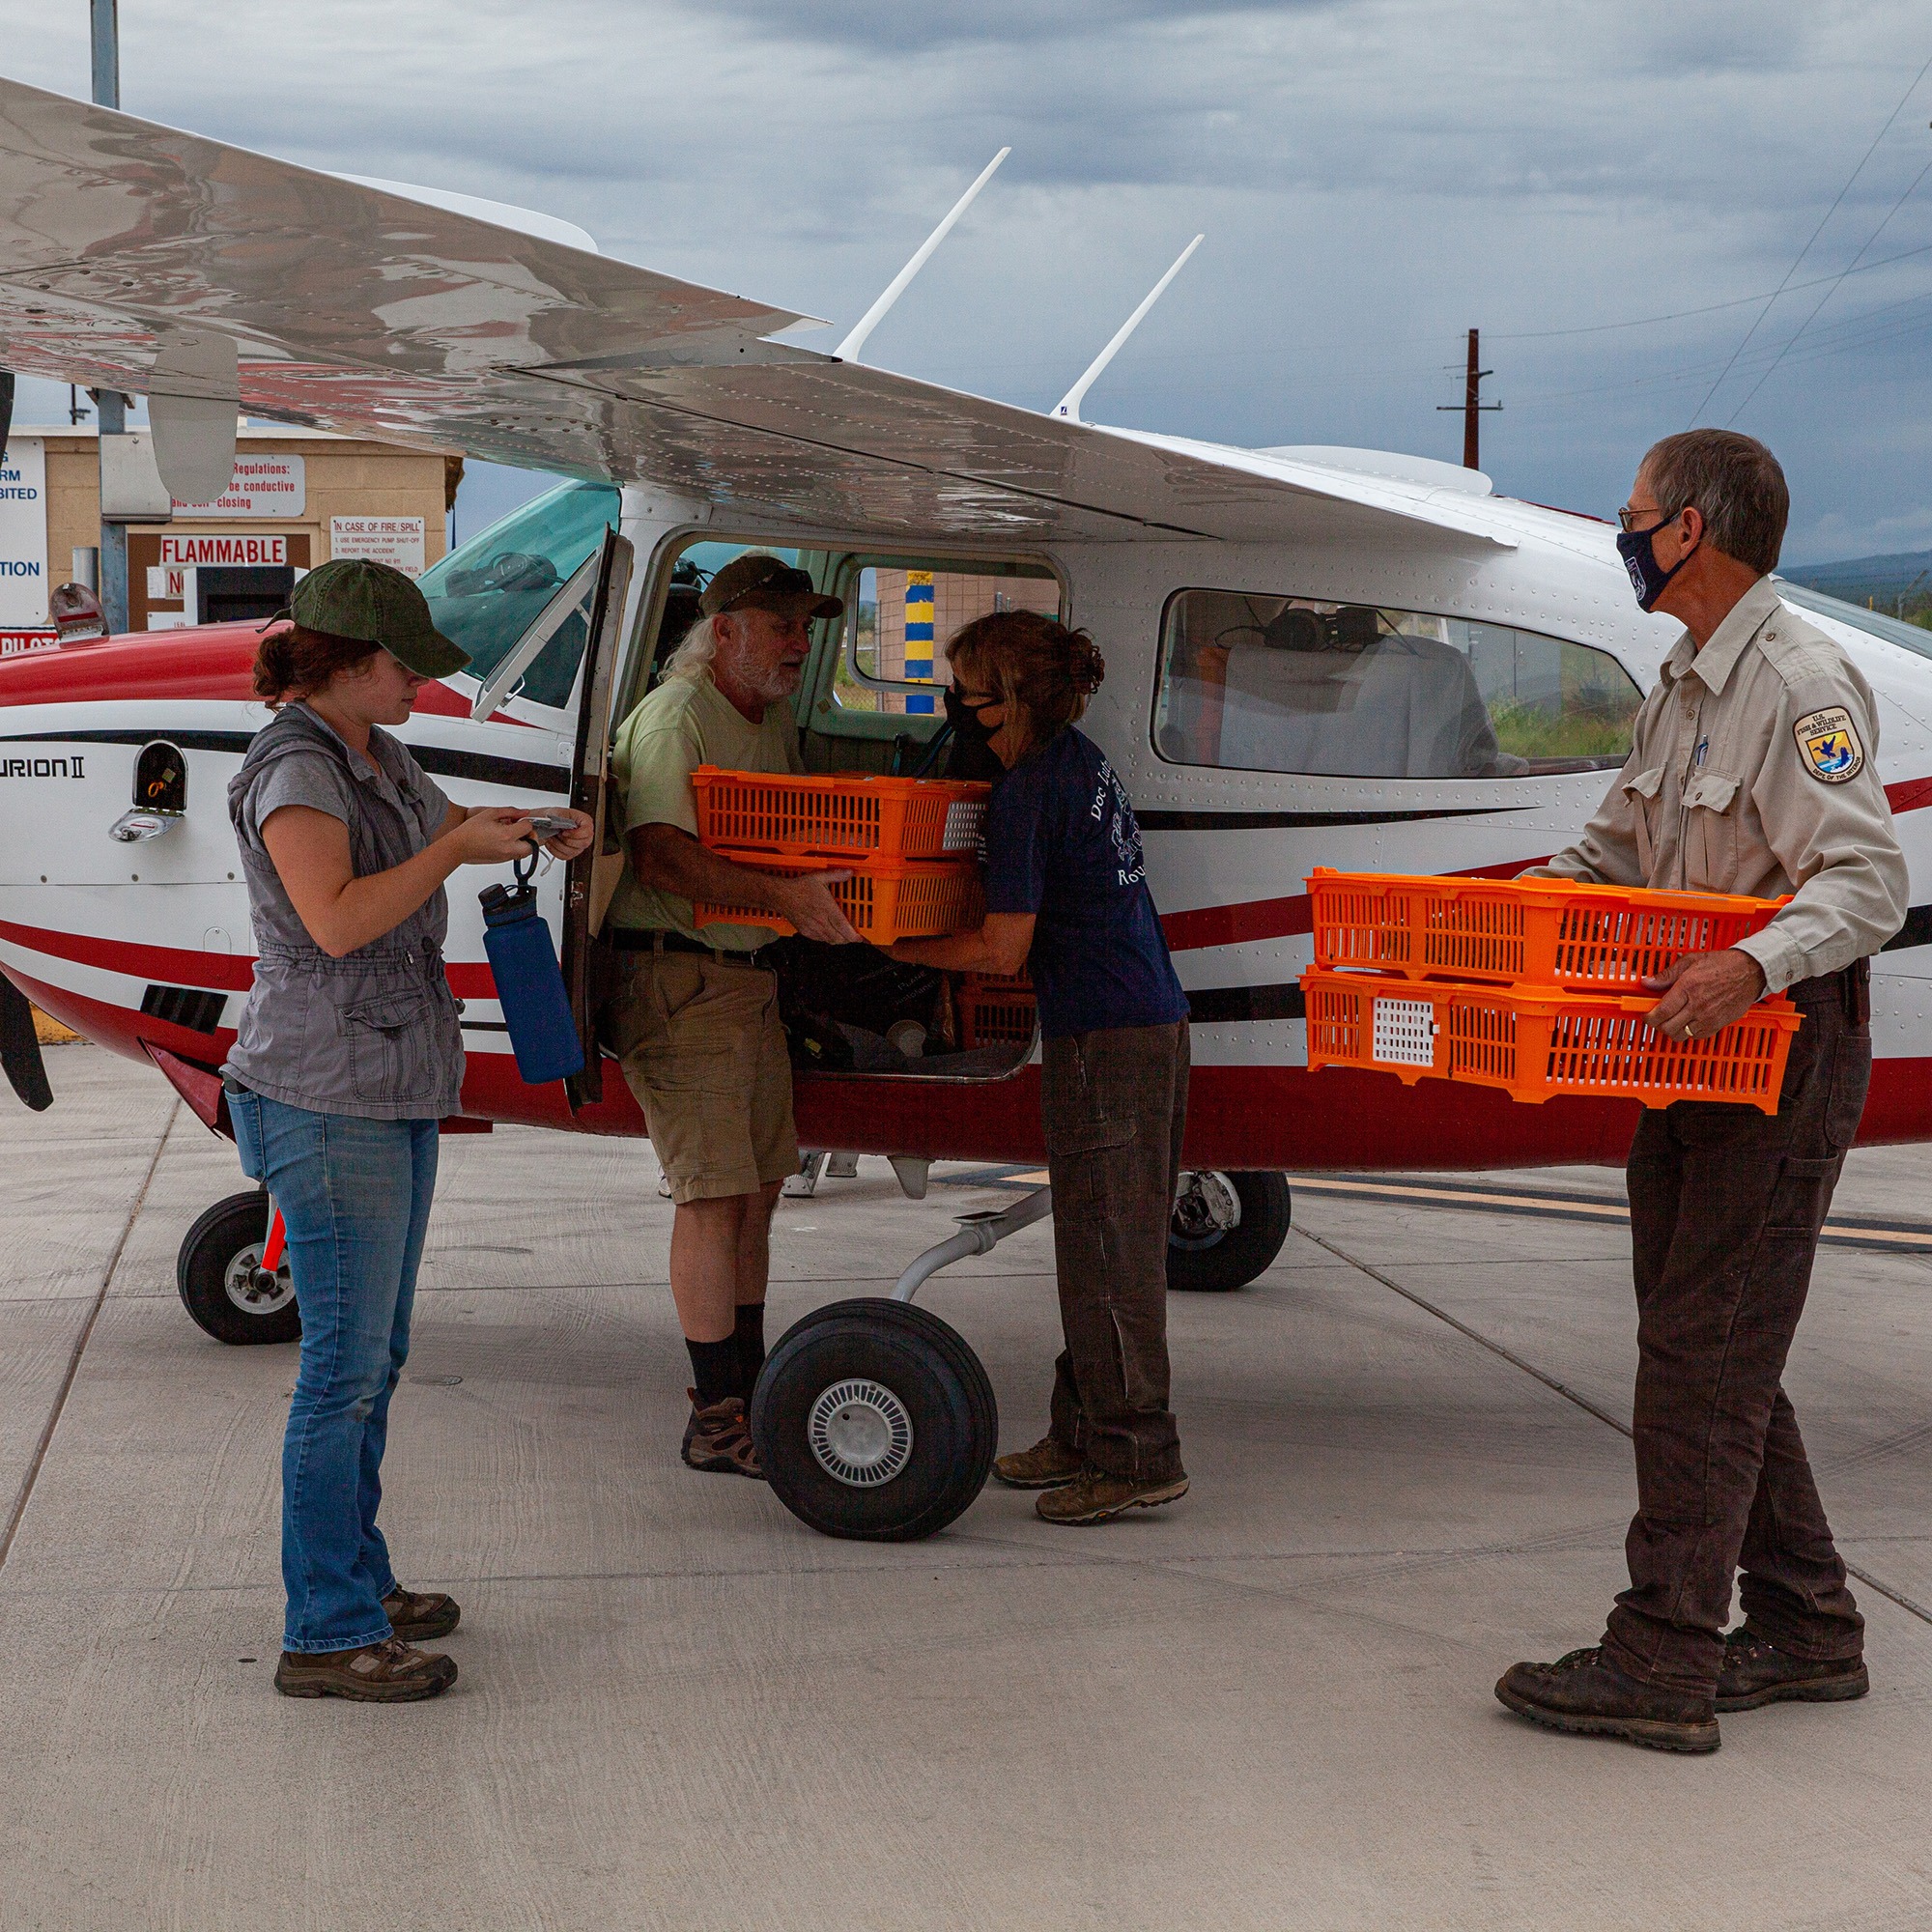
[529,984]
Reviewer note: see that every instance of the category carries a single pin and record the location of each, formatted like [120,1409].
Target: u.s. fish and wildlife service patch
[1828,741]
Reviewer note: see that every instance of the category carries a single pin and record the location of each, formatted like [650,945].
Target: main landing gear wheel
[874,1420]
[222,1282]
[1227,1229]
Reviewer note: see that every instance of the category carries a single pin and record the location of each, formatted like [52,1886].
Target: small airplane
[1316,656]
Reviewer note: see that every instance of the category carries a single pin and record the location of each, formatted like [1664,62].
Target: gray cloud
[1374,176]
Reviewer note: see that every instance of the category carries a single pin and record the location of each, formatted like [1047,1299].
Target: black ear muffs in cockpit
[1295,628]
[1353,628]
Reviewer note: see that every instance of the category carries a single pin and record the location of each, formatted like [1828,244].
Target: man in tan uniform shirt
[1752,771]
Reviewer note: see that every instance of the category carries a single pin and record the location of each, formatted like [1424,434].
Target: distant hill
[1878,580]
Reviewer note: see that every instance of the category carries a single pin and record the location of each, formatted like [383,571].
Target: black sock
[749,1339]
[714,1367]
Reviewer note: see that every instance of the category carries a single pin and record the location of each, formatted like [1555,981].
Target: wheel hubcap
[253,1288]
[1206,1210]
[860,1432]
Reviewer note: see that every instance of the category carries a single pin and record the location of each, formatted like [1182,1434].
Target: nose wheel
[874,1420]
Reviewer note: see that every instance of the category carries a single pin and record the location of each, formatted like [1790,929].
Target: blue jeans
[355,1195]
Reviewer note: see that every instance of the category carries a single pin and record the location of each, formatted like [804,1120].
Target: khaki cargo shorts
[702,1050]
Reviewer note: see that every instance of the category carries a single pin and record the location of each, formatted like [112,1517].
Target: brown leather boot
[1585,1693]
[418,1617]
[1095,1496]
[389,1672]
[1756,1672]
[718,1440]
[1047,1464]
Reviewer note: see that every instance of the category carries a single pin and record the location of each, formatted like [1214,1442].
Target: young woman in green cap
[347,1055]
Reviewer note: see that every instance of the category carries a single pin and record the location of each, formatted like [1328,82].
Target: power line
[1830,288]
[1815,233]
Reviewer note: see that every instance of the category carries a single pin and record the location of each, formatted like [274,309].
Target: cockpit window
[485,594]
[1270,683]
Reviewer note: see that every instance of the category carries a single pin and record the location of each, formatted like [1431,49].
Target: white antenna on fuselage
[848,349]
[1068,408]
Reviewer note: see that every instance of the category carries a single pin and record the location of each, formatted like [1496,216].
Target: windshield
[485,594]
[1875,623]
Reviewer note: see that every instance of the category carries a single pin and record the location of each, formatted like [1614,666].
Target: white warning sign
[397,541]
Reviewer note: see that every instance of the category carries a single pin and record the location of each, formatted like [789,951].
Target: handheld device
[551,824]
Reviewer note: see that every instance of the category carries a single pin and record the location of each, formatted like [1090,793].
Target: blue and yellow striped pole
[918,638]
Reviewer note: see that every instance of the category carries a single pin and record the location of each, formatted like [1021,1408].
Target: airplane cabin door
[589,775]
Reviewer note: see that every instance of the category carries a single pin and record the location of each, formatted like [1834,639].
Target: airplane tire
[1204,1256]
[875,1421]
[218,1271]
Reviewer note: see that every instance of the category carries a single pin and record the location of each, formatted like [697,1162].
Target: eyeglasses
[1626,518]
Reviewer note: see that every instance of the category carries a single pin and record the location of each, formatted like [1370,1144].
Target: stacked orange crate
[911,845]
[1533,986]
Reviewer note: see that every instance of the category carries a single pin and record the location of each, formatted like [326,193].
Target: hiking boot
[389,1672]
[418,1615]
[1757,1672]
[1046,1465]
[1095,1496]
[1585,1693]
[718,1440]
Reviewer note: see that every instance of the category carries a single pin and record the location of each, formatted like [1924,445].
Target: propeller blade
[20,1050]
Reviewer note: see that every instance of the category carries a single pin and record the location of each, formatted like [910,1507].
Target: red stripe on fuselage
[175,966]
[213,660]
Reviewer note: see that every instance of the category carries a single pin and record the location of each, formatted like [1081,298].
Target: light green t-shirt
[685,723]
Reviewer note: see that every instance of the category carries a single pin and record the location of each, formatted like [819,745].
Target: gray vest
[374,1033]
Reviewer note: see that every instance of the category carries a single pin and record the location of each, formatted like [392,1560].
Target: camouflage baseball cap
[757,581]
[353,597]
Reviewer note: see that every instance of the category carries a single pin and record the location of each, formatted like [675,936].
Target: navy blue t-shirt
[1061,843]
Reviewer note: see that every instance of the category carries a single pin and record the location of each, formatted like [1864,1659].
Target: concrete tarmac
[1268,1706]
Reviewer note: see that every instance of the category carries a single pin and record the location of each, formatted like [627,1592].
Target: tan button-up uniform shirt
[1753,770]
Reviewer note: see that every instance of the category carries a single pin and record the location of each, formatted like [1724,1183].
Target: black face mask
[971,756]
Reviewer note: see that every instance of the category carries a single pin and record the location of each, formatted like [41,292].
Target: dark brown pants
[1725,1207]
[1115,1104]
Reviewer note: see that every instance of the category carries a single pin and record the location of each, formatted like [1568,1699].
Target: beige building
[298,496]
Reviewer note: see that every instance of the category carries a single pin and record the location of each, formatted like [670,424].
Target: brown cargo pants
[1725,1207]
[1115,1104]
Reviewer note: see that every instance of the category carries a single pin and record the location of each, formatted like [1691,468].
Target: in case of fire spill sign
[23,545]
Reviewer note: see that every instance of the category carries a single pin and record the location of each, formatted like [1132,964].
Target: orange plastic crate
[850,815]
[992,1008]
[1533,1042]
[885,898]
[1545,932]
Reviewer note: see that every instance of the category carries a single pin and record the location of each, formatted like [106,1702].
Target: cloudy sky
[1609,193]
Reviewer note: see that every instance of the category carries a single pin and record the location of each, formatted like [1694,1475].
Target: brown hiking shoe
[718,1440]
[418,1615]
[1095,1496]
[1047,1464]
[1585,1693]
[1757,1672]
[389,1672]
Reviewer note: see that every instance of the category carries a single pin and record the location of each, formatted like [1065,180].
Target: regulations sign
[23,534]
[262,486]
[397,541]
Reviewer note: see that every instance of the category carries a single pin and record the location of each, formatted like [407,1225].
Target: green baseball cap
[354,597]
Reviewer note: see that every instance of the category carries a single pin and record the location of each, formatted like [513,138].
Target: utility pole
[109,404]
[1471,406]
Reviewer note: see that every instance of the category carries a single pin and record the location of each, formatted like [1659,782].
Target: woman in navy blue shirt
[1067,899]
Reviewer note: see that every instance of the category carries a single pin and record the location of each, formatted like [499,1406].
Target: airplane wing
[123,245]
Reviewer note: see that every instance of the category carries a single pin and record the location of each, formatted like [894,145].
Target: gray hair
[693,657]
[1732,481]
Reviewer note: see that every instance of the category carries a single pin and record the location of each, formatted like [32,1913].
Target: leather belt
[650,939]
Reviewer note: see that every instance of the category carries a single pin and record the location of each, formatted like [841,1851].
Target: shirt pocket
[1711,801]
[1641,793]
[392,1046]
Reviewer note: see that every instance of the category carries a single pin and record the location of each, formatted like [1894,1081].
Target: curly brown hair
[295,662]
[1043,672]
